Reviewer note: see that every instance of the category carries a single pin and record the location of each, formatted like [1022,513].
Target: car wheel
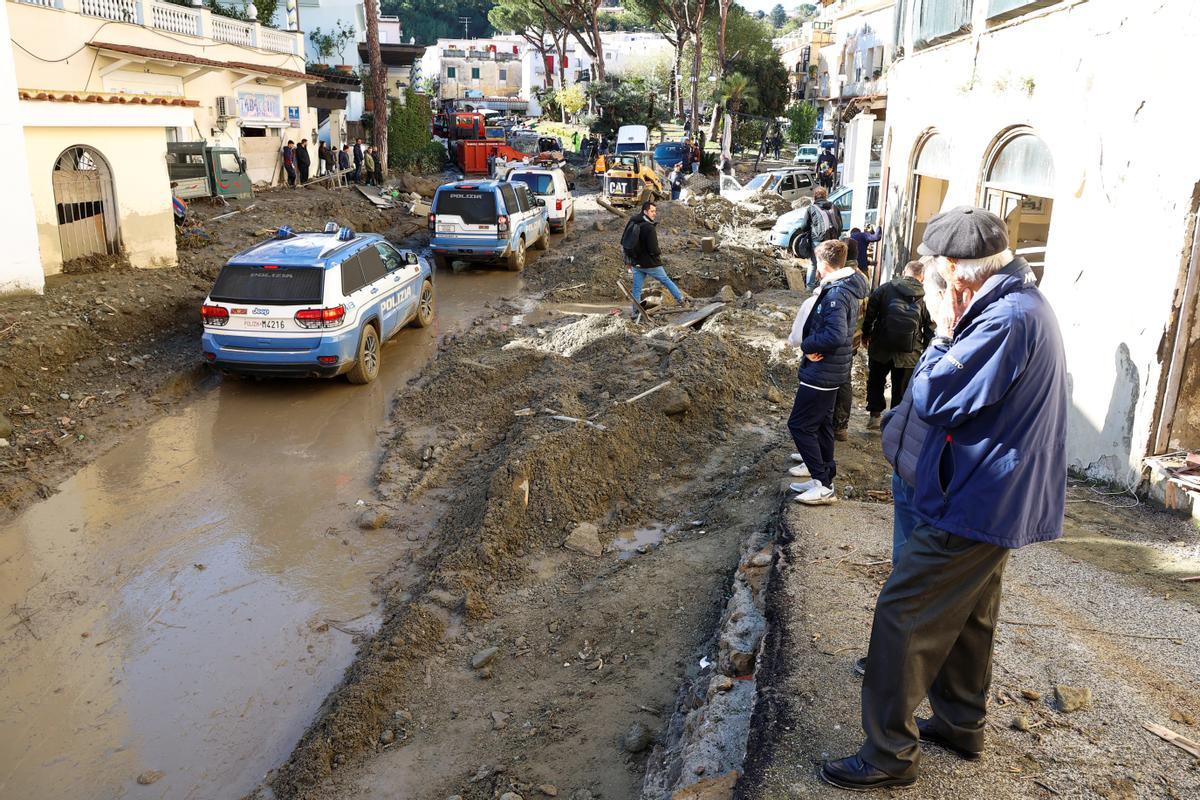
[441,262]
[794,245]
[516,258]
[366,367]
[544,242]
[425,305]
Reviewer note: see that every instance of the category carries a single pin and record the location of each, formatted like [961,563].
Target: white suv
[550,185]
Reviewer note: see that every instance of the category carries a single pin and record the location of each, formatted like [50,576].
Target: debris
[699,315]
[708,244]
[373,519]
[648,392]
[1071,698]
[150,776]
[1179,715]
[6,428]
[1167,735]
[725,294]
[1030,694]
[1021,723]
[499,720]
[1192,579]
[548,789]
[637,738]
[524,412]
[676,401]
[379,202]
[585,539]
[564,418]
[484,657]
[233,213]
[387,736]
[511,796]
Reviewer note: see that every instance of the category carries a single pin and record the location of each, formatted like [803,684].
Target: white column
[21,268]
[858,165]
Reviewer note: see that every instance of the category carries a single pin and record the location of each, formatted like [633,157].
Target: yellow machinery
[628,175]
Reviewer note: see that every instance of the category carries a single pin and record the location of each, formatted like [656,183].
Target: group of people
[976,439]
[362,162]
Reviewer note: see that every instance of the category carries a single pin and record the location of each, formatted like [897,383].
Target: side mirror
[541,203]
[242,163]
[571,186]
[410,257]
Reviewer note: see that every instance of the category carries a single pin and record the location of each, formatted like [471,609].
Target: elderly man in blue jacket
[990,477]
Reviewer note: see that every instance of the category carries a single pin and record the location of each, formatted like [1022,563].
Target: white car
[791,184]
[549,184]
[806,154]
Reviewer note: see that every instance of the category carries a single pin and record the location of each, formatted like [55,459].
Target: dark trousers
[811,426]
[935,621]
[356,176]
[841,411]
[291,174]
[303,172]
[877,375]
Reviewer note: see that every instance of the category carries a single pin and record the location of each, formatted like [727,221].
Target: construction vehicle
[628,175]
[472,143]
[197,169]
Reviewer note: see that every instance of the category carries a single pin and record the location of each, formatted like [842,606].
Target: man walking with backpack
[897,328]
[639,244]
[823,223]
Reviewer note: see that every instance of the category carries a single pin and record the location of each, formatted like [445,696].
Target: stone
[675,400]
[6,428]
[404,717]
[64,396]
[387,737]
[3,442]
[637,738]
[585,539]
[725,294]
[1072,698]
[1181,716]
[773,395]
[150,776]
[708,244]
[1021,723]
[484,657]
[1031,695]
[599,225]
[499,720]
[372,519]
[719,787]
[548,789]
[761,560]
[511,796]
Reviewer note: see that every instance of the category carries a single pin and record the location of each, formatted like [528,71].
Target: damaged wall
[1124,170]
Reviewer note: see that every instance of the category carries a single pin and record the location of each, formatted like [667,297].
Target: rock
[637,738]
[445,599]
[404,717]
[725,294]
[150,776]
[484,674]
[6,428]
[708,244]
[675,400]
[773,395]
[1021,723]
[387,737]
[763,223]
[484,657]
[372,519]
[1031,695]
[599,225]
[511,796]
[499,720]
[761,560]
[1184,717]
[3,442]
[1071,698]
[585,539]
[64,396]
[548,789]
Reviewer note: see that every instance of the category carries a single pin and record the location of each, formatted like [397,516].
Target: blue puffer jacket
[903,435]
[829,329]
[994,466]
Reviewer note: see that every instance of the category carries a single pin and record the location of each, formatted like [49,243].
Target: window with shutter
[939,19]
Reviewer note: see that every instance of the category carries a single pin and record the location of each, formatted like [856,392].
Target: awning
[125,54]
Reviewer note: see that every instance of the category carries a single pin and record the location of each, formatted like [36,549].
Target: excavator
[627,176]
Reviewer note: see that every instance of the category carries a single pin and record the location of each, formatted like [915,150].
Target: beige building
[103,85]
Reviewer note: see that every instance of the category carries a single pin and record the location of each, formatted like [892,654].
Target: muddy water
[169,608]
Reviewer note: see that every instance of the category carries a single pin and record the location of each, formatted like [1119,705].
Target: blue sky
[767,5]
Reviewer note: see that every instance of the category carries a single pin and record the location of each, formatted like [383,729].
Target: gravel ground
[1135,642]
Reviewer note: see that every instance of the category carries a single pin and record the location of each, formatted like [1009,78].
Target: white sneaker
[800,471]
[801,488]
[819,495]
[799,459]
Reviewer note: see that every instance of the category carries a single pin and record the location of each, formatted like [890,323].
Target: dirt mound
[480,432]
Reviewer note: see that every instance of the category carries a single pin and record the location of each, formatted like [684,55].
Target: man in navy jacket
[827,351]
[990,477]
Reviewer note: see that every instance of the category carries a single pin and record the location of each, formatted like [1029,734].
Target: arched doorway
[931,181]
[1018,184]
[86,204]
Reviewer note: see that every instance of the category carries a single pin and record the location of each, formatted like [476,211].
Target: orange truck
[469,144]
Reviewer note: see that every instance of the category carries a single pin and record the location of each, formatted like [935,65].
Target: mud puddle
[638,541]
[184,604]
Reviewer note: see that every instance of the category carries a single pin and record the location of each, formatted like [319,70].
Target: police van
[314,304]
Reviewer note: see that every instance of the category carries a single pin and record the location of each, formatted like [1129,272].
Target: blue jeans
[674,193]
[904,518]
[659,274]
[811,279]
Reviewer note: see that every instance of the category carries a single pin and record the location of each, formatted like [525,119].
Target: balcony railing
[186,20]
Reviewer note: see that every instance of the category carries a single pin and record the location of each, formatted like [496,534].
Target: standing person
[604,144]
[826,168]
[675,180]
[322,158]
[575,141]
[639,243]
[358,160]
[695,157]
[687,156]
[344,158]
[776,143]
[896,329]
[845,398]
[825,340]
[991,478]
[822,223]
[289,162]
[863,239]
[377,173]
[368,167]
[303,160]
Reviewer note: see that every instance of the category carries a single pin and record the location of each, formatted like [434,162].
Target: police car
[488,221]
[309,304]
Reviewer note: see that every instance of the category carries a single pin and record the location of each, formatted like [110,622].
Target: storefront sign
[259,106]
[293,116]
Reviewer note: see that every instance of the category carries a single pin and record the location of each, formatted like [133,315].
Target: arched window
[1019,186]
[86,204]
[932,167]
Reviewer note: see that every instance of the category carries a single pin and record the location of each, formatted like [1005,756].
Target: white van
[549,185]
[633,139]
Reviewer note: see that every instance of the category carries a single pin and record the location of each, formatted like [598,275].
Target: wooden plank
[1167,735]
[643,312]
[648,392]
[698,316]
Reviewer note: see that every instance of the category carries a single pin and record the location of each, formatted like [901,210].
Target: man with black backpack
[639,245]
[823,223]
[897,328]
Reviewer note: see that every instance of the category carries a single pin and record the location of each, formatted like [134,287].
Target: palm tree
[738,95]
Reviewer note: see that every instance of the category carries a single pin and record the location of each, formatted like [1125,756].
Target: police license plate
[270,324]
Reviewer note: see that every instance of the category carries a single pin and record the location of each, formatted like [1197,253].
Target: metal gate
[86,206]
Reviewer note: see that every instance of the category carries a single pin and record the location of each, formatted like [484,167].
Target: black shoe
[929,732]
[860,667]
[858,776]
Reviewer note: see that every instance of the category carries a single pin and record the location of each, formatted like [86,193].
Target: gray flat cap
[964,232]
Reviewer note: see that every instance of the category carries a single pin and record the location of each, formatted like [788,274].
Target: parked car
[314,305]
[668,154]
[806,154]
[784,233]
[487,221]
[551,186]
[791,183]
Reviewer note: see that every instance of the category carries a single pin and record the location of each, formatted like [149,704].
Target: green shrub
[409,144]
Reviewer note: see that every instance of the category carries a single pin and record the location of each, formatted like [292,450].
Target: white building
[1064,117]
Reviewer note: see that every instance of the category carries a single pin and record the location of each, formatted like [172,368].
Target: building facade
[1075,150]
